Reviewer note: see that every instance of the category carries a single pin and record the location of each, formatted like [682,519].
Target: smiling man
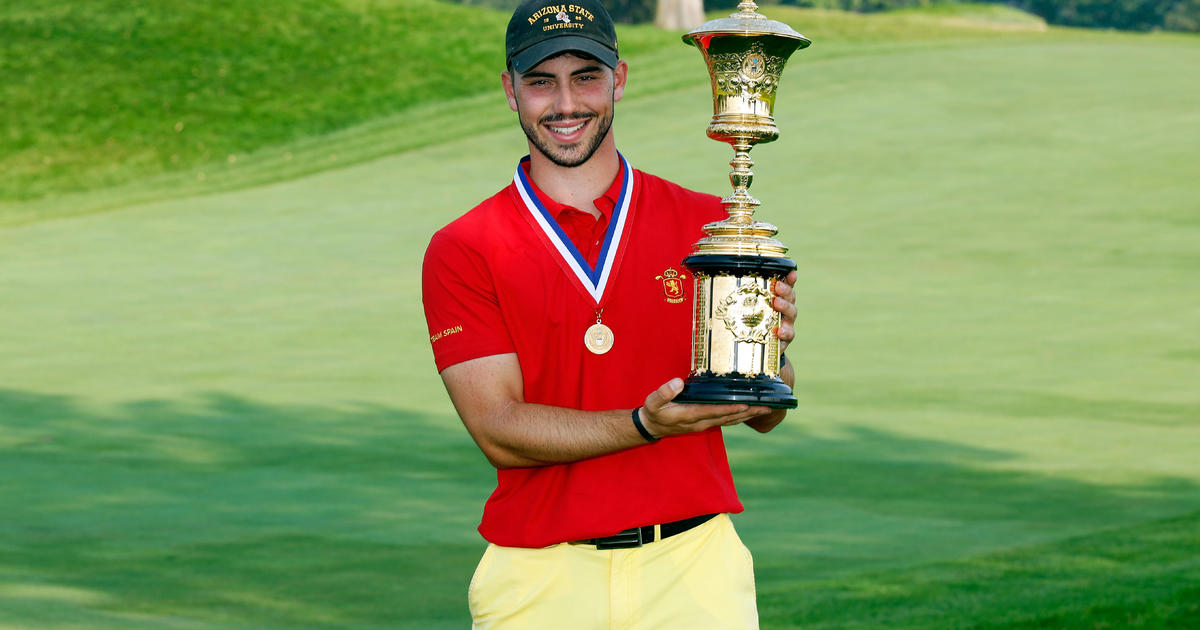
[562,346]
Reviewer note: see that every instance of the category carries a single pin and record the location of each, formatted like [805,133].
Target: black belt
[638,536]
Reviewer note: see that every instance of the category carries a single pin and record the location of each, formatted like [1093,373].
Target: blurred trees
[1134,15]
[862,6]
[631,11]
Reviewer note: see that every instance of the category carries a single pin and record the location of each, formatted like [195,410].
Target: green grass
[102,93]
[201,98]
[218,409]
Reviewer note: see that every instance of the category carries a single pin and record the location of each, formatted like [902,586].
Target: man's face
[565,105]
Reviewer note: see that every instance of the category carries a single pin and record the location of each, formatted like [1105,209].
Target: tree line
[1132,15]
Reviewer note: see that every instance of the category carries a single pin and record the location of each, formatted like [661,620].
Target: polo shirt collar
[605,203]
[592,280]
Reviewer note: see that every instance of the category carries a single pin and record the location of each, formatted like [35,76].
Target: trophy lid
[746,22]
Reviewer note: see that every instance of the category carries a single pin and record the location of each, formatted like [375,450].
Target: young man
[561,344]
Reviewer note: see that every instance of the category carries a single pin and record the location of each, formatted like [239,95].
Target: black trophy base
[732,389]
[761,266]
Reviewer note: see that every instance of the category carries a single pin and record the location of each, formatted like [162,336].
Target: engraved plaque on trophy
[735,353]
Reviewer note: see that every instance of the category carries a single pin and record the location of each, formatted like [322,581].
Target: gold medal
[598,338]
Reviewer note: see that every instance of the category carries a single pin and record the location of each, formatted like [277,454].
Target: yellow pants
[697,580]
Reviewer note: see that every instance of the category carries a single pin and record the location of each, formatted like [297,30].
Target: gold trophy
[735,353]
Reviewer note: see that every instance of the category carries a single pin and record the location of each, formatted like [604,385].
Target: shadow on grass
[1144,576]
[1007,404]
[227,512]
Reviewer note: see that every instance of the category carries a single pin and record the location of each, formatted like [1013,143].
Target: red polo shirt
[508,277]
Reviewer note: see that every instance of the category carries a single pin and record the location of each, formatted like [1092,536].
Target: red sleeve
[461,308]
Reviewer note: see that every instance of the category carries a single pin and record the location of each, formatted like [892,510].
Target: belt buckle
[627,539]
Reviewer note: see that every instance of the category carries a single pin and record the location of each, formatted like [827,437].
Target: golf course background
[218,407]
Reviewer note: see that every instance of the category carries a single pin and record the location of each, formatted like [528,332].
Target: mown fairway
[219,411]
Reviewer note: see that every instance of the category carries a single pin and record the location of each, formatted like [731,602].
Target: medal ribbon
[593,281]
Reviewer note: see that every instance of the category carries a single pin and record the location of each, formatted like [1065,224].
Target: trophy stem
[740,205]
[741,234]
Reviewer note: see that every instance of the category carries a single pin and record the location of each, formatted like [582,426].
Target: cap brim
[537,53]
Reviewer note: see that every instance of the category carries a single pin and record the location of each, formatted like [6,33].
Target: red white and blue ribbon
[593,281]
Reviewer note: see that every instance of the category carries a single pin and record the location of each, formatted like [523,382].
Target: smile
[567,130]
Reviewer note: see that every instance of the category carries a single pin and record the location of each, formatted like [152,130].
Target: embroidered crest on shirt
[672,283]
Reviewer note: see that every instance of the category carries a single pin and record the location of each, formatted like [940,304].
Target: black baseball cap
[540,29]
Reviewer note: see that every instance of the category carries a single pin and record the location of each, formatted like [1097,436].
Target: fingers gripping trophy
[735,353]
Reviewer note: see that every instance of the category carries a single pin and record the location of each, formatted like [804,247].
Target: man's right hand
[488,394]
[662,417]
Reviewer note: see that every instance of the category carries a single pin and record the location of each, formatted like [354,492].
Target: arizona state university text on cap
[540,29]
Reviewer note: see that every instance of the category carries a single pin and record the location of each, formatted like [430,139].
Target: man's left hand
[785,304]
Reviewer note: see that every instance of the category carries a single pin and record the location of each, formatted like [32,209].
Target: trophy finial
[746,9]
